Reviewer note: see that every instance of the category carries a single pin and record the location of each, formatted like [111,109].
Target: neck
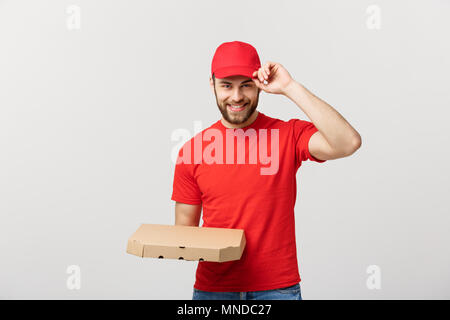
[241,125]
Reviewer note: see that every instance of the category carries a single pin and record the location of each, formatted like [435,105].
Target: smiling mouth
[236,109]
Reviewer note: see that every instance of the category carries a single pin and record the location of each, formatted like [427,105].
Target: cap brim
[234,71]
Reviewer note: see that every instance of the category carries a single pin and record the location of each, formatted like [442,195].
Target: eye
[227,85]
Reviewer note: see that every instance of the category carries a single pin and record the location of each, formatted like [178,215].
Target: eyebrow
[227,82]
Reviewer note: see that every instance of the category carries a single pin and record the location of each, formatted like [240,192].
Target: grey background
[86,118]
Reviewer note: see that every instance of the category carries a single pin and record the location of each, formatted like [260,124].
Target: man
[234,190]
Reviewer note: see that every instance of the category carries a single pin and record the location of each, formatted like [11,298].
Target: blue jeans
[287,293]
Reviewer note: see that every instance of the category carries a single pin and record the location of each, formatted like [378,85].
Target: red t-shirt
[256,197]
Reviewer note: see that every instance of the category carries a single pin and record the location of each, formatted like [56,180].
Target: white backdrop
[91,92]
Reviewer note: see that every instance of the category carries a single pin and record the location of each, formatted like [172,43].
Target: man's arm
[187,214]
[336,138]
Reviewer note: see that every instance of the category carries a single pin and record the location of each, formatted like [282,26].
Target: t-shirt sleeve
[185,187]
[303,130]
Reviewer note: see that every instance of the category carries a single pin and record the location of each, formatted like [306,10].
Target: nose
[237,95]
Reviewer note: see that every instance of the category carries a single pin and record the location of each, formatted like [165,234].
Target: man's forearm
[336,130]
[187,214]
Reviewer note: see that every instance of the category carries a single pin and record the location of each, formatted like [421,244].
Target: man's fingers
[261,73]
[266,67]
[264,72]
[258,84]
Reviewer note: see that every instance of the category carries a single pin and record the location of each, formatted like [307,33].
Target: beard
[237,117]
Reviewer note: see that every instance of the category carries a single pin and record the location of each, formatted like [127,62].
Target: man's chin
[236,119]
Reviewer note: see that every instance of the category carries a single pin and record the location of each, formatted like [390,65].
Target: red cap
[235,58]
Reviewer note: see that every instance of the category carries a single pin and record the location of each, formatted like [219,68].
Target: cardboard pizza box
[187,243]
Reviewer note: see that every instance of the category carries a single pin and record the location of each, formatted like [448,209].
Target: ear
[211,83]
